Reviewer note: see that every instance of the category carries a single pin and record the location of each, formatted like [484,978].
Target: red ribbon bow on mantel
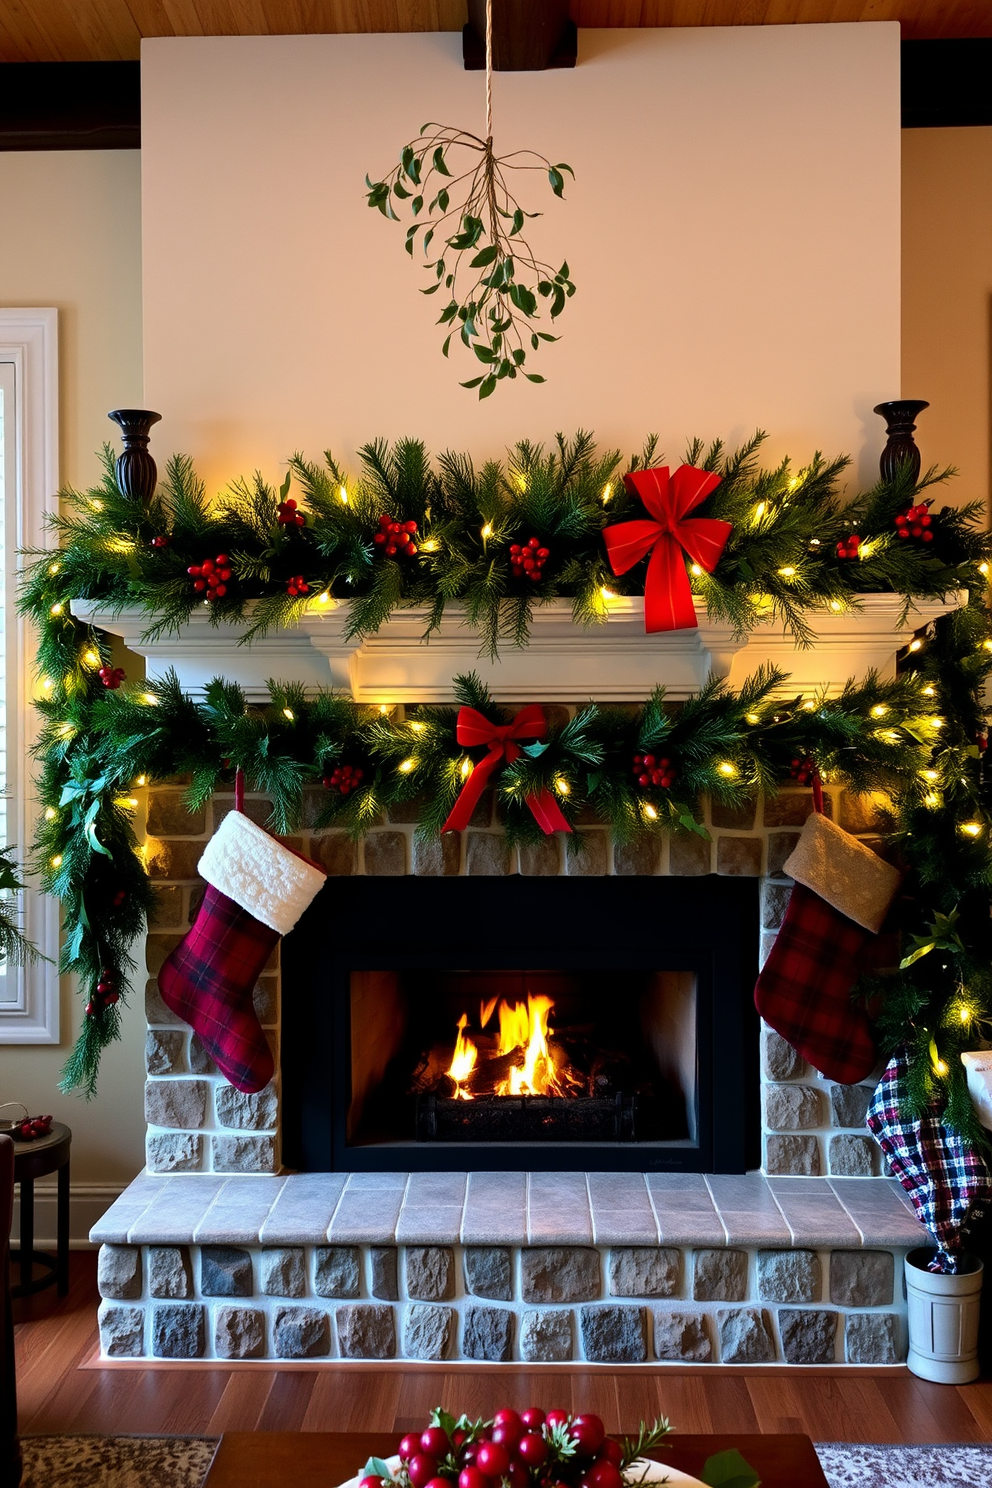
[472,729]
[667,591]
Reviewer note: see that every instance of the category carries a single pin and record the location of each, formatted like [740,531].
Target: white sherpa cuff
[258,873]
[848,875]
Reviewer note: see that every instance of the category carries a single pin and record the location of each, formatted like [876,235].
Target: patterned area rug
[847,1466]
[116,1461]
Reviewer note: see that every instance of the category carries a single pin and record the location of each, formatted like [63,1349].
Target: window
[29,995]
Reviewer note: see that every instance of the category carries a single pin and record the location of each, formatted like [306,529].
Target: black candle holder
[900,450]
[135,469]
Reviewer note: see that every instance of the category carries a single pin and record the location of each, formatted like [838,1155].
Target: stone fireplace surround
[214,1253]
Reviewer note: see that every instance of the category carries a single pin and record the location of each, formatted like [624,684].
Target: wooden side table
[48,1154]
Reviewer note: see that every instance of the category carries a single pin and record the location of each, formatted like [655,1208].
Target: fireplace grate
[527,1118]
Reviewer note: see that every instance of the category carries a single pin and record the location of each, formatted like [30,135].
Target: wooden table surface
[313,1459]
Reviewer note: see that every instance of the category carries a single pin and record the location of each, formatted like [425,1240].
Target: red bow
[500,738]
[667,592]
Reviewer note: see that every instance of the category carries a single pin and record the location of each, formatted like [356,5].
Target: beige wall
[70,237]
[947,298]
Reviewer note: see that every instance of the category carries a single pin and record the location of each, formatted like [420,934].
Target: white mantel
[612,662]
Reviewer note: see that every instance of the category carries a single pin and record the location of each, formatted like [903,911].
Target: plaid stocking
[256,891]
[842,893]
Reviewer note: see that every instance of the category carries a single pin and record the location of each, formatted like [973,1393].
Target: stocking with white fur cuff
[256,891]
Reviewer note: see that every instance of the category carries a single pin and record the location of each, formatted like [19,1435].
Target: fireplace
[522,1024]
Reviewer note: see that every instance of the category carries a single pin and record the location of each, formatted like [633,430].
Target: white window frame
[29,341]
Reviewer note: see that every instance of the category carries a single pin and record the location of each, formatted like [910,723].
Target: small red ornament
[914,522]
[395,537]
[159,542]
[211,577]
[119,898]
[297,585]
[651,769]
[802,770]
[90,1009]
[288,516]
[850,546]
[344,778]
[32,1127]
[111,677]
[528,559]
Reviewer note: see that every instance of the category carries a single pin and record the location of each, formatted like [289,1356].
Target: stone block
[337,1271]
[158,947]
[613,1334]
[118,1272]
[736,818]
[265,1000]
[383,1281]
[176,1103]
[487,1333]
[849,1104]
[336,853]
[861,1278]
[688,855]
[178,1330]
[430,1273]
[366,1331]
[169,1271]
[790,808]
[719,1275]
[257,1112]
[122,1330]
[167,911]
[541,859]
[780,847]
[200,1062]
[638,858]
[169,816]
[488,1272]
[789,1276]
[301,1333]
[173,861]
[644,1271]
[739,857]
[225,1271]
[487,854]
[257,808]
[809,1335]
[682,1336]
[852,1157]
[546,1336]
[774,902]
[792,1107]
[165,1051]
[864,813]
[745,1336]
[559,1273]
[244,1154]
[437,858]
[173,1152]
[427,1330]
[239,1333]
[796,1155]
[385,853]
[781,1060]
[282,1271]
[156,1011]
[872,1338]
[592,859]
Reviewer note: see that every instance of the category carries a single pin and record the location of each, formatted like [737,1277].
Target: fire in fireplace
[607,1025]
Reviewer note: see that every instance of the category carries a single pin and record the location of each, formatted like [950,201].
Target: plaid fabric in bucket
[941,1174]
[804,990]
[209,981]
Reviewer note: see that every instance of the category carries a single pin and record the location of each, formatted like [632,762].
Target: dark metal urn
[900,416]
[135,469]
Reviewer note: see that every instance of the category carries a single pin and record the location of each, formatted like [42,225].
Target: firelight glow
[524,1030]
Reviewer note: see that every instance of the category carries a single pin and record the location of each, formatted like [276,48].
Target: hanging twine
[489,69]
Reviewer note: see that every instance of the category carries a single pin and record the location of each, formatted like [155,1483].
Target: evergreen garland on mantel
[917,742]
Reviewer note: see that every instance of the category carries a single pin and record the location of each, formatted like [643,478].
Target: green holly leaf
[729,1470]
[376,1468]
[535,750]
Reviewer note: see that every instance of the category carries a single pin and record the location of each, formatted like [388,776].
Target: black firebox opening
[651,1038]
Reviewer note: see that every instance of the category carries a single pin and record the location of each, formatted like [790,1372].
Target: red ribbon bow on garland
[472,729]
[667,591]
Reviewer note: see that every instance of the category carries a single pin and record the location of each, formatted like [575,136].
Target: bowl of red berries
[537,1449]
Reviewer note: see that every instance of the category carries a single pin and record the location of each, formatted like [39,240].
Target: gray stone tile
[378,1180]
[749,1212]
[366,1216]
[558,1209]
[621,1210]
[423,1224]
[495,1209]
[446,1189]
[114,1227]
[813,1212]
[879,1213]
[183,1201]
[239,1211]
[302,1213]
[685,1209]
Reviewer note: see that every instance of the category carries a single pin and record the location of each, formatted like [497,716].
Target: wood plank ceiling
[111,30]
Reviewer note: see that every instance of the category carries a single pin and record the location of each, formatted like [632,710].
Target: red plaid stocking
[256,891]
[842,893]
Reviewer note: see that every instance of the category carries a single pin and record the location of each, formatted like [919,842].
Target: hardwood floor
[56,1337]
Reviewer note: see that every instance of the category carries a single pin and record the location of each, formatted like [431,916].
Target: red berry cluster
[211,577]
[525,1449]
[159,542]
[344,778]
[653,771]
[395,537]
[802,770]
[528,560]
[31,1127]
[111,677]
[104,994]
[288,516]
[915,522]
[297,585]
[849,546]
